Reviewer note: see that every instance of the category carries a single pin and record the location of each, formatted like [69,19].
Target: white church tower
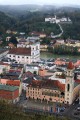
[69,85]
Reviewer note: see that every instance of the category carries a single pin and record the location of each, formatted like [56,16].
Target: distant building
[47,90]
[32,68]
[8,38]
[42,72]
[58,20]
[38,34]
[12,82]
[25,55]
[3,53]
[2,69]
[62,91]
[5,65]
[9,93]
[8,31]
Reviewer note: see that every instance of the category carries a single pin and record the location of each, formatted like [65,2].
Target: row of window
[36,48]
[37,89]
[50,99]
[18,56]
[33,92]
[33,89]
[37,93]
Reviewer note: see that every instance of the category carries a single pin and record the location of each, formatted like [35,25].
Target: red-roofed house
[6,65]
[54,90]
[48,90]
[77,64]
[59,62]
[12,83]
[25,55]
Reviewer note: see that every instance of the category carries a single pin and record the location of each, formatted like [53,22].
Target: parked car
[78,108]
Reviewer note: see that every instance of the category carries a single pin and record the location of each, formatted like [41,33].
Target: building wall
[4,68]
[44,94]
[8,95]
[34,57]
[24,86]
[76,92]
[20,88]
[3,54]
[69,86]
[42,72]
[32,69]
[20,58]
[35,52]
[3,81]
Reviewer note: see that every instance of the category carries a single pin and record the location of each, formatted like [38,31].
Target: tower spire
[70,65]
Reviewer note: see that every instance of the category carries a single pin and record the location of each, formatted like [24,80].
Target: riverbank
[47,55]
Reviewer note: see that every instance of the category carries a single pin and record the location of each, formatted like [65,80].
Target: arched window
[68,87]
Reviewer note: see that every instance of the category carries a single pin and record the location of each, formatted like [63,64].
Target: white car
[78,108]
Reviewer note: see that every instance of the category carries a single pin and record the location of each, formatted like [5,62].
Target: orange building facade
[46,91]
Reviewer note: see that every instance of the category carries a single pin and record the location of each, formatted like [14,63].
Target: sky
[41,2]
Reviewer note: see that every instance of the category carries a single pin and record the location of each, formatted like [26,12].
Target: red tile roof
[29,73]
[78,81]
[77,63]
[20,51]
[12,70]
[48,84]
[2,63]
[70,65]
[61,86]
[13,83]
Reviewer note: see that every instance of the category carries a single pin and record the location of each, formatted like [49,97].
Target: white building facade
[69,85]
[26,55]
[57,20]
[35,50]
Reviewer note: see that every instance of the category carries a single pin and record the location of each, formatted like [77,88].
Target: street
[44,107]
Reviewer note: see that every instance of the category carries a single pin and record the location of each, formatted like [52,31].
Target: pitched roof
[13,83]
[50,84]
[2,63]
[27,74]
[8,87]
[10,77]
[70,65]
[20,51]
[77,81]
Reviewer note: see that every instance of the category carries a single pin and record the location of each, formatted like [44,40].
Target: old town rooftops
[48,84]
[8,87]
[20,51]
[10,77]
[13,83]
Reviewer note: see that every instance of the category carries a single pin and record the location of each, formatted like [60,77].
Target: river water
[47,55]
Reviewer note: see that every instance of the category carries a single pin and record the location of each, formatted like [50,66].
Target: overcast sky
[16,2]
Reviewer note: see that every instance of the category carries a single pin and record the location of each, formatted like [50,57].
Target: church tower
[69,85]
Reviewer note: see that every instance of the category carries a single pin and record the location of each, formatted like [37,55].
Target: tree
[35,72]
[13,40]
